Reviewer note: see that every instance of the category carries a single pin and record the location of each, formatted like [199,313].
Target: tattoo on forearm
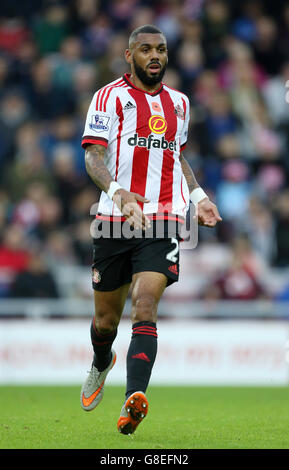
[189,174]
[96,168]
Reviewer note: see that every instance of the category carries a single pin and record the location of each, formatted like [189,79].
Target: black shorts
[115,260]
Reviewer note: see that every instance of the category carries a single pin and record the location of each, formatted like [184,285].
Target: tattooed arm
[126,201]
[188,174]
[207,211]
[95,167]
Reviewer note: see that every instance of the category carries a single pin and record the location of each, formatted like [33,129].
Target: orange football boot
[132,413]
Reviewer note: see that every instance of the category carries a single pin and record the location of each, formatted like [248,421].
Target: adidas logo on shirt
[129,105]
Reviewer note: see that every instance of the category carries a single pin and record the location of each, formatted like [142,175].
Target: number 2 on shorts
[171,256]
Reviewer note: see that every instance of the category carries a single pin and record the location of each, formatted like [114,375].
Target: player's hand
[207,213]
[127,203]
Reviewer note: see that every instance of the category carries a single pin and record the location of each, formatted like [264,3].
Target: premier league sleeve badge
[99,123]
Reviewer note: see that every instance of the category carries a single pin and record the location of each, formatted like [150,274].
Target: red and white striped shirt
[144,134]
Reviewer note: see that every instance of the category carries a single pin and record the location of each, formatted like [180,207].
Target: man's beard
[143,76]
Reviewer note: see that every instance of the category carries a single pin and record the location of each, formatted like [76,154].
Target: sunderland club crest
[180,112]
[96,277]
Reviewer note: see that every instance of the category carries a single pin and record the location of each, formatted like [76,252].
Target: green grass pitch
[50,417]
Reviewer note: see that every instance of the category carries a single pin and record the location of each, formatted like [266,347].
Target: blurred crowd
[230,58]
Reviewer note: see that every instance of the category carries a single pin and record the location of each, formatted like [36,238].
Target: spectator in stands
[241,281]
[96,36]
[51,28]
[48,99]
[233,193]
[13,32]
[220,119]
[14,256]
[66,62]
[190,64]
[28,165]
[34,281]
[276,96]
[216,26]
[260,228]
[266,45]
[58,249]
[282,229]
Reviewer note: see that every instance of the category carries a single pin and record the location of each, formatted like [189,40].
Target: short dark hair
[147,28]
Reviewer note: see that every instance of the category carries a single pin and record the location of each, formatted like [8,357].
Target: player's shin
[101,346]
[141,356]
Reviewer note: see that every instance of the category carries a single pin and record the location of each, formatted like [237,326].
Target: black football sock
[101,346]
[141,356]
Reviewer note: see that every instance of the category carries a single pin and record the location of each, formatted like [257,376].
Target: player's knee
[144,308]
[106,322]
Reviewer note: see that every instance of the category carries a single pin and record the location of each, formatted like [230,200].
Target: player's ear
[128,56]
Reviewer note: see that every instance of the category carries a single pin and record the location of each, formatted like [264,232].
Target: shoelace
[93,375]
